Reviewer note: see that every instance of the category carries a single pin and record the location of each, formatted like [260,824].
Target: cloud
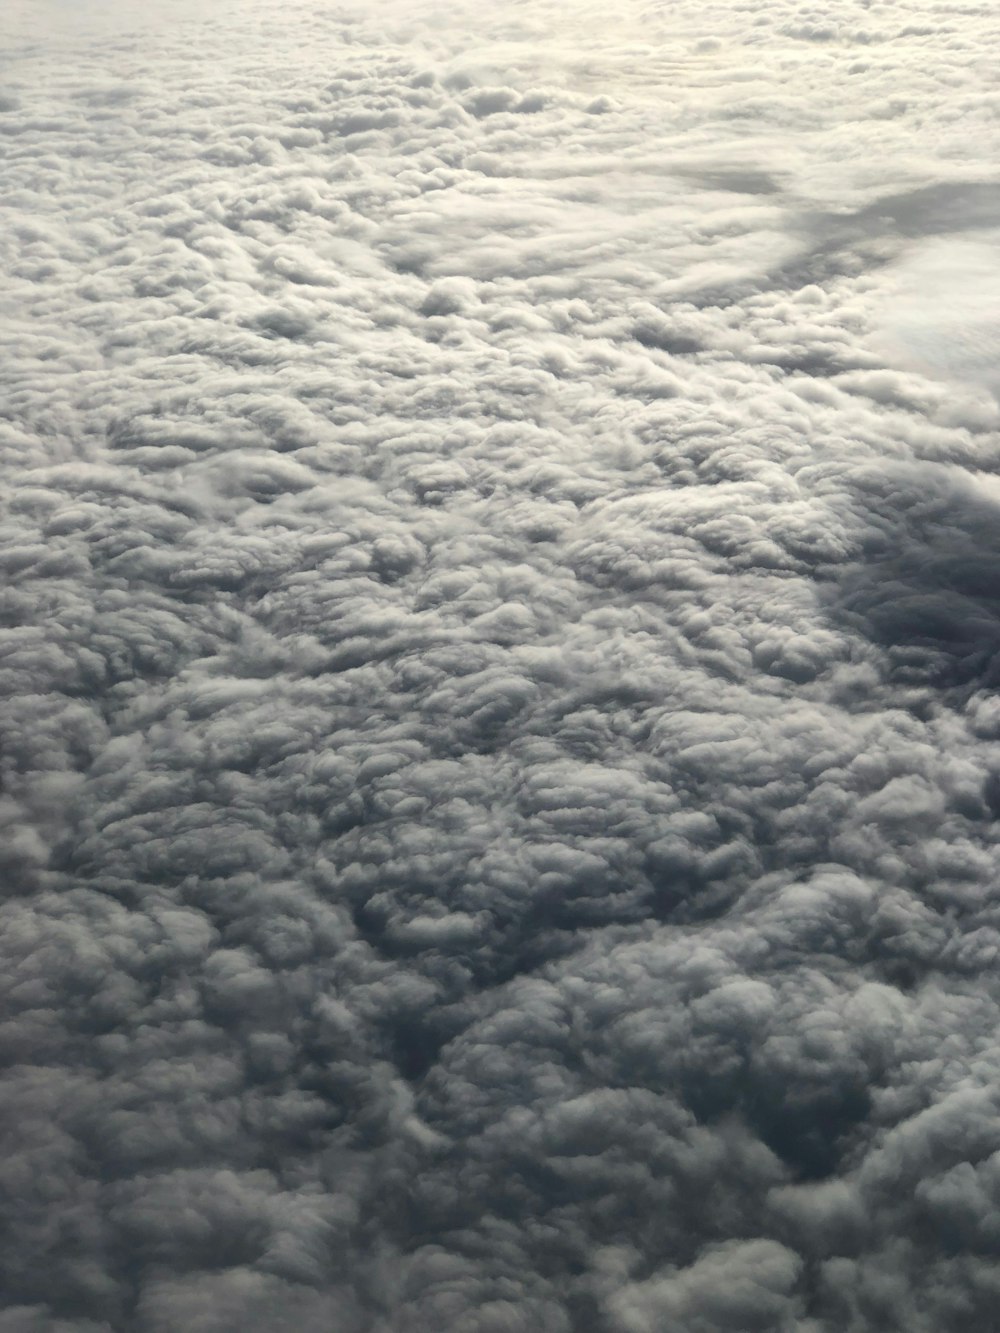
[498,644]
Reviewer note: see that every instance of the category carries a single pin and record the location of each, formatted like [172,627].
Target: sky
[499,667]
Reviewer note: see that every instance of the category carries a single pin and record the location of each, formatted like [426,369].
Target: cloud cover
[500,733]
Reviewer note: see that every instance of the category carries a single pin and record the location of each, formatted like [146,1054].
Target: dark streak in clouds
[844,243]
[928,587]
[498,671]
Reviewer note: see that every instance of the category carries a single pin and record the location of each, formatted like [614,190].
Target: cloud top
[498,650]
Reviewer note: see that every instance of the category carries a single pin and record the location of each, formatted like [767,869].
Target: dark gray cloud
[498,640]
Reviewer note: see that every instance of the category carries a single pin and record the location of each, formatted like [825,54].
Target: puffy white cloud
[498,650]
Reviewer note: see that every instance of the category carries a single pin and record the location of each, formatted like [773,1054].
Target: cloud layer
[500,732]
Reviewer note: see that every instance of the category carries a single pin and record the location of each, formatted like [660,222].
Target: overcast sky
[500,666]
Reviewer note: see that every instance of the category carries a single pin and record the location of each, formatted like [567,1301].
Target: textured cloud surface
[500,655]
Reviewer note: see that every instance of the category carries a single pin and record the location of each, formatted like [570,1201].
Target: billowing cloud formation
[500,725]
